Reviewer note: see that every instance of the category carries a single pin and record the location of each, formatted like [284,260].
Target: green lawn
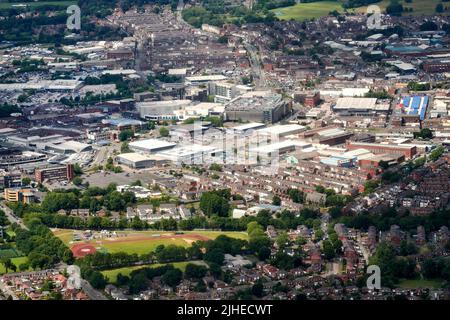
[421,283]
[9,253]
[420,7]
[305,11]
[139,247]
[16,261]
[144,246]
[6,5]
[64,234]
[112,274]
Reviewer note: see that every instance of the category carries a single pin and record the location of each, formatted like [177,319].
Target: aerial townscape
[225,150]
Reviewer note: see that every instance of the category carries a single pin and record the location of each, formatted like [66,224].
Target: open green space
[421,283]
[139,246]
[17,262]
[112,274]
[143,242]
[312,10]
[306,11]
[420,7]
[10,253]
[36,4]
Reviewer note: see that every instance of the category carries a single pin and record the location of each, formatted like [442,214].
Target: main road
[11,216]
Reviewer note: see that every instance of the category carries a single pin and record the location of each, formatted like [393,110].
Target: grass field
[142,242]
[420,7]
[112,274]
[10,253]
[16,261]
[305,11]
[421,283]
[6,5]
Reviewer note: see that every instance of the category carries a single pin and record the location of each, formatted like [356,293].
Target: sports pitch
[142,242]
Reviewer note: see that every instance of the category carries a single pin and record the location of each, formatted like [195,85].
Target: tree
[212,203]
[258,289]
[78,181]
[126,135]
[424,133]
[194,271]
[215,167]
[296,195]
[97,280]
[7,264]
[264,253]
[215,255]
[383,164]
[370,186]
[282,240]
[124,148]
[394,8]
[276,200]
[138,282]
[164,132]
[328,250]
[437,153]
[172,277]
[26,181]
[428,26]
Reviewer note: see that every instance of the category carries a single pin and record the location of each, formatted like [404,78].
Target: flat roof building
[281,131]
[258,106]
[61,173]
[139,161]
[379,148]
[150,145]
[360,106]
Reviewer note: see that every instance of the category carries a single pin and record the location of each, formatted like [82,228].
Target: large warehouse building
[150,145]
[379,148]
[415,106]
[360,107]
[139,161]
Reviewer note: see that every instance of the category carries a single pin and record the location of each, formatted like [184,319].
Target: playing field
[142,242]
[305,11]
[17,262]
[421,283]
[112,274]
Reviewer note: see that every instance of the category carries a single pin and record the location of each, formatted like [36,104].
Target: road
[11,216]
[255,61]
[103,154]
[91,292]
[7,292]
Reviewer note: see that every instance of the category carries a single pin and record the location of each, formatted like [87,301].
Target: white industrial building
[139,161]
[280,131]
[193,154]
[150,145]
